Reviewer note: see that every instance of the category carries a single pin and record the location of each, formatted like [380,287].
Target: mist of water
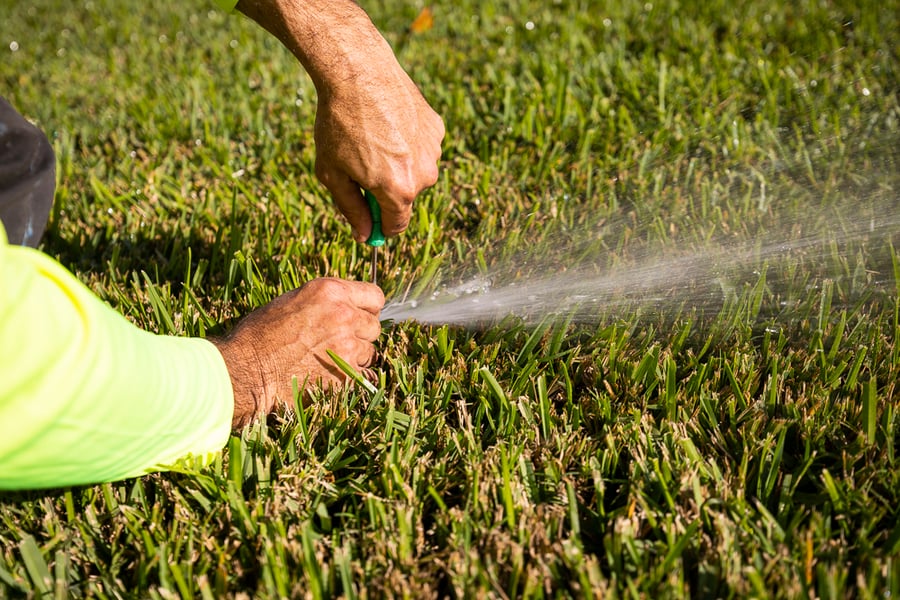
[569,283]
[699,280]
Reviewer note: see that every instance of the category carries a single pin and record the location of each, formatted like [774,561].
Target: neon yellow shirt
[85,395]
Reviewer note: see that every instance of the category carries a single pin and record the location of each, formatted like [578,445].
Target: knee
[27,177]
[25,152]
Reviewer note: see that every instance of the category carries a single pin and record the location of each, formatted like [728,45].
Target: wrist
[247,382]
[334,40]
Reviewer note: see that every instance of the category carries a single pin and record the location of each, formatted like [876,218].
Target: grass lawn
[724,422]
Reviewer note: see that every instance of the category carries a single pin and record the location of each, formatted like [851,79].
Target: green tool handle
[376,238]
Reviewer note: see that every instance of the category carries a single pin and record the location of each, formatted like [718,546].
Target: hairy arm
[373,127]
[322,34]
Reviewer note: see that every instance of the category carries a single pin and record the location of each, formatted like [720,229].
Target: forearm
[330,38]
[85,396]
[373,129]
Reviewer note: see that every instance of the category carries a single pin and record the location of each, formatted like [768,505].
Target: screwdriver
[376,238]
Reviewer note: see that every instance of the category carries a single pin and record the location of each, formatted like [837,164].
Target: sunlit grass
[742,446]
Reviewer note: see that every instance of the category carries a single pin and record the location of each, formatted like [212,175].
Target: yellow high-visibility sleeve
[88,397]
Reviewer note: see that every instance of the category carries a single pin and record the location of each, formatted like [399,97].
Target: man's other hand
[288,339]
[377,131]
[374,129]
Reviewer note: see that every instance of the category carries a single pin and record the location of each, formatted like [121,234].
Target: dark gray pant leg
[27,178]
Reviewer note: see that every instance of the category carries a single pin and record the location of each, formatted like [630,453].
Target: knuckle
[343,313]
[402,189]
[379,294]
[431,174]
[375,331]
[315,286]
[348,350]
[323,287]
[399,225]
[366,351]
[324,173]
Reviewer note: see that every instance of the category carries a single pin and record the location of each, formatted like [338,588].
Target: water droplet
[14,45]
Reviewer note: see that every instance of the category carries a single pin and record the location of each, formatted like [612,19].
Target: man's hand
[373,127]
[377,132]
[288,339]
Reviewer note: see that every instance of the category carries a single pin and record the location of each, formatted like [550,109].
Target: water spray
[583,283]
